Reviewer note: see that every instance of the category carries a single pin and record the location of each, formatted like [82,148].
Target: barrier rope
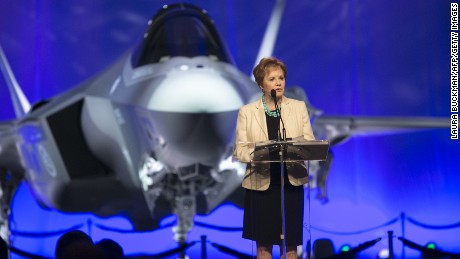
[210,226]
[358,231]
[220,247]
[45,234]
[229,229]
[423,225]
[126,231]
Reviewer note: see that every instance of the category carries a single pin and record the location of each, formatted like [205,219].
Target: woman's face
[274,79]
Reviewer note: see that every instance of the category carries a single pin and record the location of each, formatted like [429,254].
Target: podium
[296,150]
[291,151]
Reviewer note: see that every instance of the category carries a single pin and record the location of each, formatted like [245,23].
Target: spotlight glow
[384,253]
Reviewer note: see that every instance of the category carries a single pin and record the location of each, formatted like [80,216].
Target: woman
[260,121]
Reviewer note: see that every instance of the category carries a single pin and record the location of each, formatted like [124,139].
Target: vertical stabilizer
[20,102]
[271,32]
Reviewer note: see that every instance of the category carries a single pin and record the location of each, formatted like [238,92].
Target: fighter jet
[153,133]
[146,137]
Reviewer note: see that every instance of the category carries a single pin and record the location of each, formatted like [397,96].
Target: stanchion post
[403,233]
[308,249]
[390,245]
[203,247]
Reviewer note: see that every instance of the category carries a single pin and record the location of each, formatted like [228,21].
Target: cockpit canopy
[179,30]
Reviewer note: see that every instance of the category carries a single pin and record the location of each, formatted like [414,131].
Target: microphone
[273,94]
[283,136]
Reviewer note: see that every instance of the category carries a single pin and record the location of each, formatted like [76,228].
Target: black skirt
[262,215]
[262,209]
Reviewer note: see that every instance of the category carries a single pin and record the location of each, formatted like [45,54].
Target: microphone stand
[282,139]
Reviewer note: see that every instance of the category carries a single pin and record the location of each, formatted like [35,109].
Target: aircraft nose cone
[195,91]
[191,138]
[194,113]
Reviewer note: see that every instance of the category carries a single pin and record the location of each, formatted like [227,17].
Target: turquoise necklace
[268,112]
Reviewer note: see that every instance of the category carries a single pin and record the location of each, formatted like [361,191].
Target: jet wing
[337,129]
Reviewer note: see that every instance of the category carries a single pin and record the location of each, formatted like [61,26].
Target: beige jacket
[251,127]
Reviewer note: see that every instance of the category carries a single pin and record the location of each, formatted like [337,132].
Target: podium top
[295,150]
